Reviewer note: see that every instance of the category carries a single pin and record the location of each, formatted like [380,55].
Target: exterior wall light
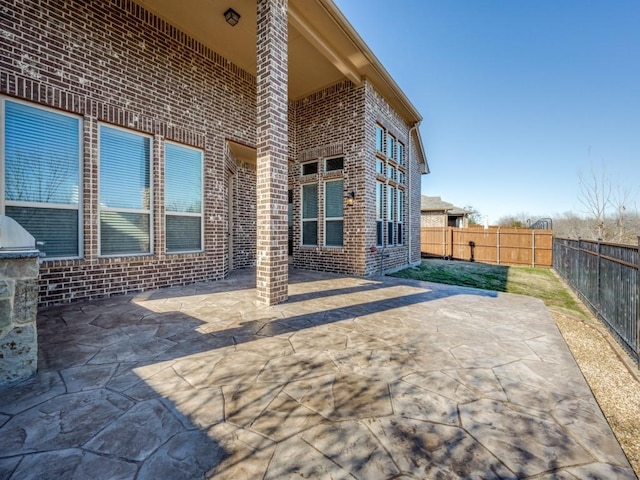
[350,197]
[232,17]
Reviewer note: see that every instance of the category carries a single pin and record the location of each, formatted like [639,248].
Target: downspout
[409,200]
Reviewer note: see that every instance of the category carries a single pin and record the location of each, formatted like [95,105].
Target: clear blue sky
[517,96]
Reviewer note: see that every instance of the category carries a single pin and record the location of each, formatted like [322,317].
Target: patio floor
[351,378]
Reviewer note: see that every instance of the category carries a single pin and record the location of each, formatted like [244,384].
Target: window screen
[310,214]
[310,168]
[333,164]
[42,176]
[379,139]
[183,198]
[125,193]
[334,208]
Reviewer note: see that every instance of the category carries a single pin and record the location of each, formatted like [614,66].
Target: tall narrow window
[125,192]
[333,213]
[380,167]
[42,175]
[183,198]
[400,217]
[379,212]
[391,214]
[310,214]
[379,139]
[391,146]
[400,152]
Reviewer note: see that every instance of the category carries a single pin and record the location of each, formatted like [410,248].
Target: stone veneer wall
[18,310]
[112,61]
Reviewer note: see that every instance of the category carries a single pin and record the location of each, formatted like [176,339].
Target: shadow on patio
[350,378]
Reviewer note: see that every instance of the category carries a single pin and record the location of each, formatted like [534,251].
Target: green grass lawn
[535,282]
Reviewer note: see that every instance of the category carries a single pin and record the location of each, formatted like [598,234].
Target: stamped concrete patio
[351,378]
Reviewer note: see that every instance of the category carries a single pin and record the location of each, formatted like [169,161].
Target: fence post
[638,308]
[533,248]
[498,245]
[444,243]
[578,262]
[451,243]
[598,274]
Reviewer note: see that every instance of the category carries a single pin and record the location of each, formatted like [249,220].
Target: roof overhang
[323,47]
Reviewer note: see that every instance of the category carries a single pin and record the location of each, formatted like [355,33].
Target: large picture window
[125,192]
[310,214]
[333,213]
[183,198]
[42,157]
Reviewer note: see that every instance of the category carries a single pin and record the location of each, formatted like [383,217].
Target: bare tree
[609,208]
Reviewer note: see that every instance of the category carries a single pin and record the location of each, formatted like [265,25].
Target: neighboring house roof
[436,204]
[323,48]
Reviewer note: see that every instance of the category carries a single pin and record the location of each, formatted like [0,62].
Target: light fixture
[232,17]
[350,197]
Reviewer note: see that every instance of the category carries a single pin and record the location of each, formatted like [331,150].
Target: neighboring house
[151,143]
[434,212]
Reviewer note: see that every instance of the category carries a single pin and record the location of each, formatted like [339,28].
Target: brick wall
[113,62]
[378,111]
[340,121]
[329,123]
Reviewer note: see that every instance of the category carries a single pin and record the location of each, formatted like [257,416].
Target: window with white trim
[125,192]
[334,164]
[400,239]
[333,213]
[41,175]
[310,168]
[391,214]
[310,214]
[183,198]
[379,139]
[379,212]
[391,146]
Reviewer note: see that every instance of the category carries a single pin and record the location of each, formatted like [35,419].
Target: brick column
[272,142]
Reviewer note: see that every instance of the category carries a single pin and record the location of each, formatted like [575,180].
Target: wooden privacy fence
[509,246]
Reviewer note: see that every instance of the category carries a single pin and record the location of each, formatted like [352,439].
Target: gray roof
[436,204]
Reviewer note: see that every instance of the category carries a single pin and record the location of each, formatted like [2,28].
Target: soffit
[323,46]
[309,69]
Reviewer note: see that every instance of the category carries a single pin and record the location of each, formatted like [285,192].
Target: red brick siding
[329,123]
[114,62]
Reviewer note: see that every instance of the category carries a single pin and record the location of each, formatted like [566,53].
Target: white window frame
[127,210]
[400,153]
[302,174]
[186,214]
[333,219]
[381,129]
[400,219]
[380,212]
[326,160]
[393,148]
[79,208]
[303,220]
[392,209]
